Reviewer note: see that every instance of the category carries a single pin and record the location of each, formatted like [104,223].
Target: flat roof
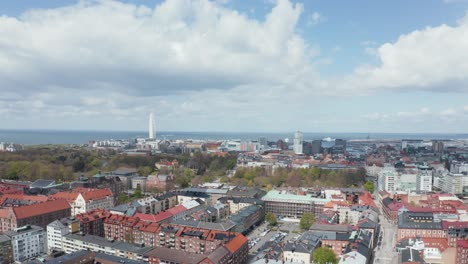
[285,196]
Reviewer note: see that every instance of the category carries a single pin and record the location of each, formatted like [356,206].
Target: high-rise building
[316,147]
[263,141]
[27,242]
[424,179]
[152,127]
[298,138]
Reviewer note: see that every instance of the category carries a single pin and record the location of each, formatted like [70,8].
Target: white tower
[152,127]
[298,138]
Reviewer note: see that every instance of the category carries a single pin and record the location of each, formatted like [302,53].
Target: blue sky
[262,65]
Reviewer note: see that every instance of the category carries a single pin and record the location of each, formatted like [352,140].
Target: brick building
[462,251]
[120,227]
[191,245]
[40,214]
[92,223]
[419,224]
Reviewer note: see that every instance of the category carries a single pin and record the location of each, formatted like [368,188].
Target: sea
[39,137]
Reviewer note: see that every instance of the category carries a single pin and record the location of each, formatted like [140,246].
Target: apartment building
[419,224]
[57,229]
[6,252]
[92,222]
[75,242]
[39,214]
[27,242]
[83,200]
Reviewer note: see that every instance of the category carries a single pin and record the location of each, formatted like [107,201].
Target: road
[385,253]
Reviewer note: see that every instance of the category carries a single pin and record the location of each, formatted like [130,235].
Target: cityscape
[233,132]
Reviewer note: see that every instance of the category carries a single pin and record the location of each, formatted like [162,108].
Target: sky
[252,66]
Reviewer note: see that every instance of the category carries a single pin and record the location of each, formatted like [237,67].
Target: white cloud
[315,18]
[200,60]
[431,59]
[177,46]
[423,115]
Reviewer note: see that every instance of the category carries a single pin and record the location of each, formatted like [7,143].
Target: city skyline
[224,66]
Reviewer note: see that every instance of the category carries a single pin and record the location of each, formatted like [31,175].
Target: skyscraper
[152,127]
[298,138]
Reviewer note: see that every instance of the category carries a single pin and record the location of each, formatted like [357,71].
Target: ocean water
[33,137]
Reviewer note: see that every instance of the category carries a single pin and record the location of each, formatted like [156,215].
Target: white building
[454,183]
[73,242]
[388,177]
[83,200]
[424,180]
[27,242]
[152,127]
[353,257]
[57,229]
[298,140]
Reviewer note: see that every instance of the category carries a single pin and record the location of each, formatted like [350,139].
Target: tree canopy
[324,255]
[306,221]
[271,218]
[369,186]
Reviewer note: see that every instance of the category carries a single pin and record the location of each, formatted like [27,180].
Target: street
[385,252]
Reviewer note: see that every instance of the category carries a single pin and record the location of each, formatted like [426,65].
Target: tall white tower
[152,127]
[298,139]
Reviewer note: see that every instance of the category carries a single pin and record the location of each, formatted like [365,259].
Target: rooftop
[285,196]
[41,208]
[407,221]
[96,240]
[23,229]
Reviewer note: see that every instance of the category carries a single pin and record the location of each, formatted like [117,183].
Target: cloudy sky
[257,65]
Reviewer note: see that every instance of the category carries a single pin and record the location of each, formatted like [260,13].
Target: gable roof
[94,194]
[153,218]
[176,210]
[236,243]
[41,208]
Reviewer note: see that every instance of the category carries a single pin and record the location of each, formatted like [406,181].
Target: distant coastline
[37,137]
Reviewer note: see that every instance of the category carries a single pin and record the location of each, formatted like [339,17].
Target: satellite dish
[286,140]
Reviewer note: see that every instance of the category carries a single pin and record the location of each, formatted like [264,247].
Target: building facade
[27,242]
[284,203]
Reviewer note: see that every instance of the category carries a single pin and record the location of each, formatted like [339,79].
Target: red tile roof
[124,220]
[440,243]
[93,215]
[462,244]
[457,224]
[94,194]
[69,196]
[22,197]
[366,199]
[41,208]
[177,210]
[87,193]
[236,243]
[154,218]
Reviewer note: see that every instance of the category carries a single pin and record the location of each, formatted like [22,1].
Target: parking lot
[262,234]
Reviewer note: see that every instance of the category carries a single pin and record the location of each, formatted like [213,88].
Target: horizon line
[243,132]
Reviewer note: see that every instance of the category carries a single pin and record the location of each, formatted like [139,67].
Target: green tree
[123,198]
[137,193]
[145,170]
[271,218]
[324,255]
[369,186]
[306,221]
